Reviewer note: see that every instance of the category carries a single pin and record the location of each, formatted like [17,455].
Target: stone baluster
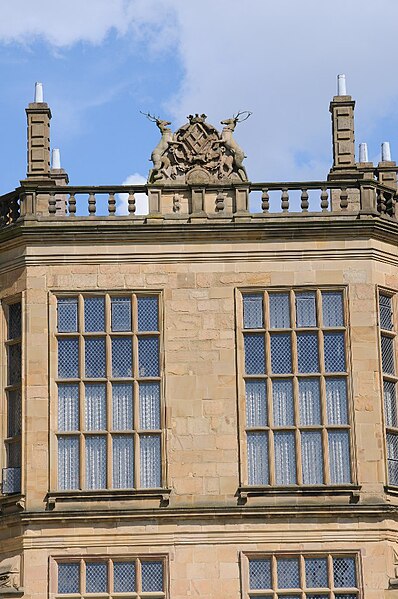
[14,209]
[265,200]
[389,202]
[381,203]
[220,204]
[343,198]
[324,199]
[131,204]
[177,203]
[52,204]
[92,203]
[304,200]
[285,199]
[111,204]
[72,205]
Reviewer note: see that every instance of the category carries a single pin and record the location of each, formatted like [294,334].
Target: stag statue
[159,157]
[230,143]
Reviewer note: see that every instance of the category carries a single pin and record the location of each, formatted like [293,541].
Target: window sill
[391,490]
[244,492]
[79,496]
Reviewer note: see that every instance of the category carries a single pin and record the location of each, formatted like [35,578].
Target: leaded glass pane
[96,462]
[253,311]
[68,578]
[334,352]
[346,596]
[306,309]
[281,353]
[68,358]
[150,461]
[257,458]
[317,596]
[152,576]
[14,321]
[309,402]
[94,314]
[14,363]
[279,309]
[14,454]
[316,572]
[332,309]
[285,458]
[254,353]
[148,356]
[67,314]
[307,352]
[95,407]
[124,577]
[68,408]
[339,457]
[123,461]
[122,406]
[282,401]
[387,354]
[344,572]
[95,357]
[121,313]
[312,457]
[147,309]
[14,413]
[122,357]
[390,404]
[68,463]
[96,577]
[260,574]
[336,401]
[392,458]
[385,305]
[256,403]
[288,573]
[149,406]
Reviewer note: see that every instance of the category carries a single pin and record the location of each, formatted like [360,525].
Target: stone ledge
[53,498]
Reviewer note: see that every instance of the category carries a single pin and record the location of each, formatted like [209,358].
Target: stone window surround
[246,490]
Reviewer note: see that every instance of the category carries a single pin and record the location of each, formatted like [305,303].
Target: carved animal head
[232,122]
[162,125]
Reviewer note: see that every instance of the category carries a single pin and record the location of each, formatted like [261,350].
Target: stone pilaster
[38,116]
[342,111]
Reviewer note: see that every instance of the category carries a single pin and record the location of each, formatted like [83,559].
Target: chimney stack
[342,111]
[38,115]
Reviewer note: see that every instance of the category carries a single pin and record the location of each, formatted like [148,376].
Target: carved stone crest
[10,576]
[197,152]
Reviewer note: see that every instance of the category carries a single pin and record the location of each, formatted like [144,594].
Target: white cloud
[141,199]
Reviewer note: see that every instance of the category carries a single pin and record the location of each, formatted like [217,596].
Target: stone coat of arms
[197,152]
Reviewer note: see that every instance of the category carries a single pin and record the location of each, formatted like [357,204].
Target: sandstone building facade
[201,401]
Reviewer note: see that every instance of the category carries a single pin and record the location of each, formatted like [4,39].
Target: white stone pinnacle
[385,151]
[38,92]
[56,158]
[363,152]
[341,85]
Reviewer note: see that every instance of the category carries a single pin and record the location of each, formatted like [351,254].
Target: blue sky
[102,61]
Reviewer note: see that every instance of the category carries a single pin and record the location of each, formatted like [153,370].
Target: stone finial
[386,170]
[56,159]
[341,85]
[363,152]
[385,151]
[39,93]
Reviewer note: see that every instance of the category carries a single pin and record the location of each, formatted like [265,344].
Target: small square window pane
[288,573]
[257,458]
[152,576]
[68,358]
[122,357]
[68,463]
[95,407]
[96,577]
[94,314]
[316,573]
[95,357]
[344,572]
[285,458]
[282,401]
[254,353]
[332,309]
[14,321]
[253,311]
[387,354]
[281,353]
[385,305]
[122,406]
[96,462]
[309,402]
[148,356]
[392,458]
[306,309]
[279,309]
[67,314]
[390,403]
[260,574]
[150,461]
[121,313]
[147,308]
[124,577]
[68,578]
[256,403]
[123,461]
[336,401]
[307,352]
[149,406]
[68,408]
[339,457]
[312,457]
[14,363]
[334,352]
